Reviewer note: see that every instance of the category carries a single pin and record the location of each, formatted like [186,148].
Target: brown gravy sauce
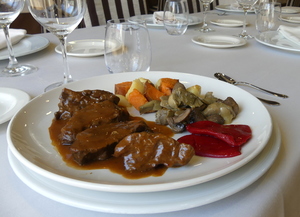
[113,164]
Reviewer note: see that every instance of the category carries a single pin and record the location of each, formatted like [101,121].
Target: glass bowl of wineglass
[246,6]
[204,27]
[9,11]
[60,17]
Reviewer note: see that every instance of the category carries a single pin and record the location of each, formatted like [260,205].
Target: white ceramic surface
[84,48]
[155,202]
[227,22]
[231,8]
[276,40]
[29,141]
[290,10]
[219,41]
[28,45]
[290,19]
[193,20]
[11,101]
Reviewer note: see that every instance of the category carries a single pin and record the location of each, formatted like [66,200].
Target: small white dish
[219,41]
[154,202]
[84,48]
[228,22]
[290,19]
[290,10]
[232,8]
[11,101]
[28,45]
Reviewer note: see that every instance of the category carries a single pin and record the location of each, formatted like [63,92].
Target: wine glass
[246,5]
[60,17]
[205,27]
[176,17]
[9,11]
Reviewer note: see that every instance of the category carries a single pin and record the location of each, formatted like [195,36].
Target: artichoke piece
[152,106]
[162,115]
[185,98]
[209,98]
[220,108]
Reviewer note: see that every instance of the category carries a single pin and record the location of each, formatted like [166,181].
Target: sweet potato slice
[122,88]
[151,93]
[137,99]
[166,85]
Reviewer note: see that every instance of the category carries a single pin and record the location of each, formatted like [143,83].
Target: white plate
[228,22]
[276,40]
[84,48]
[28,138]
[232,8]
[28,45]
[219,41]
[155,202]
[11,101]
[290,19]
[193,20]
[290,10]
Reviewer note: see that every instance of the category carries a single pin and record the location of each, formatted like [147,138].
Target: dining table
[274,190]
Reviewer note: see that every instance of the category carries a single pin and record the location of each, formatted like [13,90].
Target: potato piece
[123,101]
[151,93]
[166,85]
[137,99]
[196,90]
[136,84]
[122,88]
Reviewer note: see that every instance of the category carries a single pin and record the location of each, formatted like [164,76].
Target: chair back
[99,11]
[194,6]
[295,3]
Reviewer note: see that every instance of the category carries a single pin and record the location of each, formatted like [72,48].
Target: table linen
[275,194]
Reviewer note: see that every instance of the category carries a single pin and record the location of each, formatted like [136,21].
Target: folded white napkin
[15,35]
[290,33]
[158,17]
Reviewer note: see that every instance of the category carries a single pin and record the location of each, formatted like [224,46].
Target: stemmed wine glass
[246,5]
[205,27]
[60,17]
[9,11]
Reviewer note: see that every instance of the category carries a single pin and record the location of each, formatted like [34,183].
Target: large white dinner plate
[228,22]
[28,45]
[29,141]
[277,40]
[290,19]
[232,8]
[290,10]
[11,100]
[154,202]
[193,20]
[219,41]
[85,48]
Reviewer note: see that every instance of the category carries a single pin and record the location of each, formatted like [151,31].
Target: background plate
[29,141]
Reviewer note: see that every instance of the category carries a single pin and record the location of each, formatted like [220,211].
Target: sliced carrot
[166,85]
[122,88]
[137,99]
[151,93]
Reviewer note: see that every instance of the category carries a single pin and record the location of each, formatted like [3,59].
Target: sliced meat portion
[98,143]
[144,151]
[91,116]
[72,101]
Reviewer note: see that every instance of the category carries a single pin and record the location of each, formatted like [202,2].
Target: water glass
[127,46]
[267,16]
[176,17]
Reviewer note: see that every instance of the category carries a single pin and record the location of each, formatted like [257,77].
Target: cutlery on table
[230,80]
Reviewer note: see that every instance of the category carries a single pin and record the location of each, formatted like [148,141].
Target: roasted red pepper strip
[208,146]
[234,135]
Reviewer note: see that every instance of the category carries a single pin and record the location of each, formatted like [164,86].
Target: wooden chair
[99,11]
[295,3]
[194,5]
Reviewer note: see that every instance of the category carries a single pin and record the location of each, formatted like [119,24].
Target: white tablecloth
[275,194]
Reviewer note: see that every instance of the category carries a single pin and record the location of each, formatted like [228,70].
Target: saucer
[219,41]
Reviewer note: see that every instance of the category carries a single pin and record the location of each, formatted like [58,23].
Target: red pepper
[208,146]
[234,135]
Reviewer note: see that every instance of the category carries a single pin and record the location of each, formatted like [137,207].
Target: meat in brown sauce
[143,151]
[98,143]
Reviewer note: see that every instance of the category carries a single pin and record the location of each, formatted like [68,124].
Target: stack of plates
[202,181]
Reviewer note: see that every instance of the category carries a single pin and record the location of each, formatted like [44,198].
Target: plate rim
[259,166]
[45,44]
[215,22]
[22,99]
[242,41]
[223,8]
[137,187]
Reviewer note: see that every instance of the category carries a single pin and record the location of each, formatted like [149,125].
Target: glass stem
[12,59]
[67,76]
[244,23]
[205,13]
